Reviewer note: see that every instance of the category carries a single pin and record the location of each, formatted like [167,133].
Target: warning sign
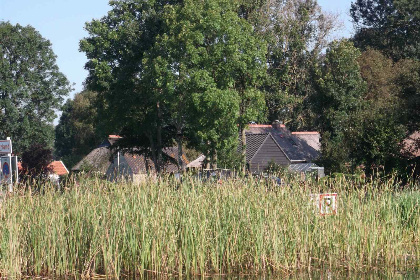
[326,203]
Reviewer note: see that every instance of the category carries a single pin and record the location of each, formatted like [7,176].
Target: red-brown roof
[114,136]
[58,168]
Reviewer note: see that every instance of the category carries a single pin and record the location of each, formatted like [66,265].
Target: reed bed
[242,226]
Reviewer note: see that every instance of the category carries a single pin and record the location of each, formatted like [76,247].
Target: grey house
[275,143]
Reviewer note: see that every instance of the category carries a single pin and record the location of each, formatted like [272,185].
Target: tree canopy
[31,86]
[197,72]
[391,26]
[157,66]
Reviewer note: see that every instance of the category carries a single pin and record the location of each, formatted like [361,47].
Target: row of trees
[195,73]
[198,72]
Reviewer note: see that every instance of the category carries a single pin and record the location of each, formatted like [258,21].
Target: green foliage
[366,127]
[390,26]
[338,101]
[408,81]
[381,131]
[75,134]
[184,71]
[276,169]
[116,50]
[339,87]
[35,161]
[296,32]
[31,86]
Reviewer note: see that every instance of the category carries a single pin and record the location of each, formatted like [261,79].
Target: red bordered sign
[327,203]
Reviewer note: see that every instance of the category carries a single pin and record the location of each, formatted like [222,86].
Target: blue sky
[62,22]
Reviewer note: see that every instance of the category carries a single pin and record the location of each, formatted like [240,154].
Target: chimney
[277,124]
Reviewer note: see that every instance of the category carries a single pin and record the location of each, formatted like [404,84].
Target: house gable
[298,146]
[118,168]
[269,151]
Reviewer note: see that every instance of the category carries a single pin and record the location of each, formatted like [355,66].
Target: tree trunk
[207,160]
[214,160]
[153,151]
[159,139]
[179,143]
[243,152]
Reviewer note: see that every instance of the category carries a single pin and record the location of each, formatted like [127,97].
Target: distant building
[136,168]
[98,159]
[274,143]
[127,166]
[57,169]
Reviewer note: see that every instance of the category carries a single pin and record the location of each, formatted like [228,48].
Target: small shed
[57,169]
[307,168]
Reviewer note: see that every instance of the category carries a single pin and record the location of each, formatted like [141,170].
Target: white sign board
[326,203]
[6,146]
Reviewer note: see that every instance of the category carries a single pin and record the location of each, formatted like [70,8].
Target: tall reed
[238,226]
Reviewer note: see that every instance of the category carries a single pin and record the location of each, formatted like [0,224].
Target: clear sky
[62,22]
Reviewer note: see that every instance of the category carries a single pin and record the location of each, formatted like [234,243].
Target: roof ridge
[265,125]
[260,133]
[305,132]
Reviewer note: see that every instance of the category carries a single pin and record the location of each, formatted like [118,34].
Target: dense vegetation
[196,73]
[165,227]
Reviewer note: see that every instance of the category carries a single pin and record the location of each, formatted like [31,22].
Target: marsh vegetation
[194,228]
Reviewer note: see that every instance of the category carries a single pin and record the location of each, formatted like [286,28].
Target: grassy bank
[194,228]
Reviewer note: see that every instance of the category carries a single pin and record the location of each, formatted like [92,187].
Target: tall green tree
[338,102]
[31,86]
[296,32]
[408,81]
[391,26]
[208,52]
[380,130]
[116,48]
[75,134]
[196,55]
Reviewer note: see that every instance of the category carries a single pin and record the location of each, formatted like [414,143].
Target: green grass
[243,226]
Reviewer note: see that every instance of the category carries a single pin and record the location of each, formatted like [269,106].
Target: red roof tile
[58,168]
